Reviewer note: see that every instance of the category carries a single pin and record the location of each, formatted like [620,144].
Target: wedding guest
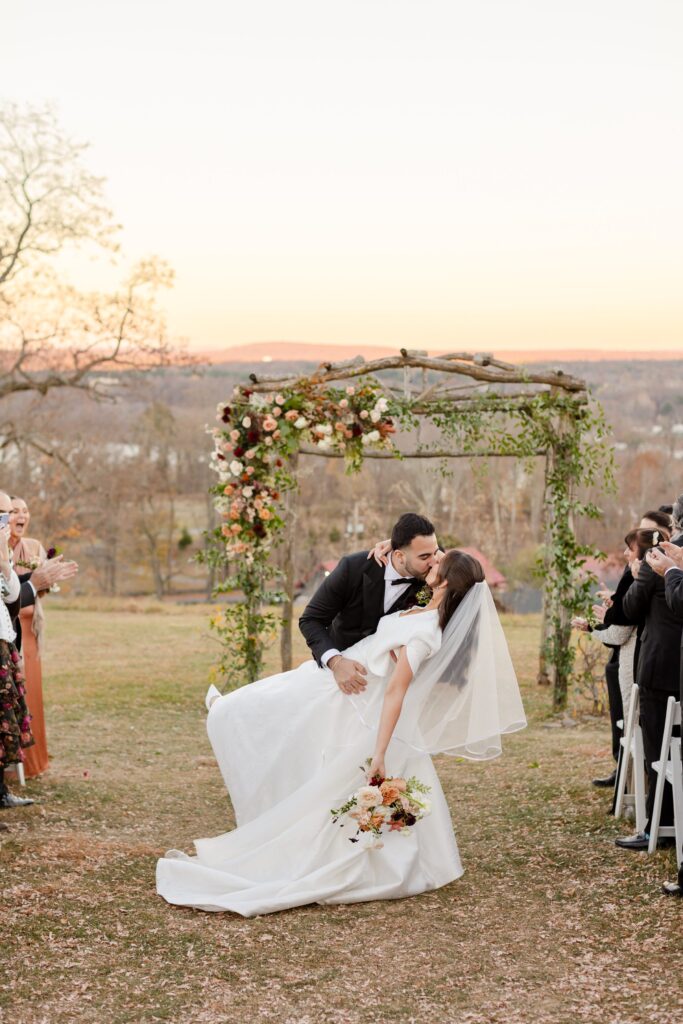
[617,682]
[15,723]
[28,555]
[677,519]
[37,575]
[668,562]
[657,674]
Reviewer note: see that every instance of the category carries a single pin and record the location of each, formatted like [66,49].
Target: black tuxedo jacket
[673,590]
[348,605]
[659,660]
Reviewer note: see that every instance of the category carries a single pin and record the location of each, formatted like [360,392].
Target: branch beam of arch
[479,408]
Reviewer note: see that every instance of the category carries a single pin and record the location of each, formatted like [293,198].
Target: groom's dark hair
[410,525]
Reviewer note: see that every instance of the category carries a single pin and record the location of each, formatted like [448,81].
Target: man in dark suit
[658,678]
[358,592]
[670,565]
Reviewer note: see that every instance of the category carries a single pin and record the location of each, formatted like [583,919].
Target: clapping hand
[600,610]
[578,622]
[660,562]
[54,570]
[673,552]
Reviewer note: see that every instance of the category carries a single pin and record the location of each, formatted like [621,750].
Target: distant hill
[294,351]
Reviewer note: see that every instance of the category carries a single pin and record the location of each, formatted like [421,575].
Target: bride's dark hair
[461,572]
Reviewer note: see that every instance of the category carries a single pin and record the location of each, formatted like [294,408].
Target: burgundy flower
[226,414]
[253,436]
[15,657]
[238,452]
[356,430]
[221,457]
[51,552]
[259,530]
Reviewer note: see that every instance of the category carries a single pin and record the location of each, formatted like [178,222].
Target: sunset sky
[492,174]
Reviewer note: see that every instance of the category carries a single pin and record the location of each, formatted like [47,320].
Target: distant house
[607,570]
[310,583]
[494,577]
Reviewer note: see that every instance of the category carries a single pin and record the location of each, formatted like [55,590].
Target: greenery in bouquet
[384,805]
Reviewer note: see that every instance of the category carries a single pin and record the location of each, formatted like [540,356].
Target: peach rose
[269,423]
[389,792]
[276,411]
[264,514]
[292,415]
[400,784]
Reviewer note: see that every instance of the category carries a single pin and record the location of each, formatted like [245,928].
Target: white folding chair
[18,769]
[669,769]
[630,787]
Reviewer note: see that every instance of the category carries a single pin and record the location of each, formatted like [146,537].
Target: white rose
[375,416]
[246,422]
[236,467]
[382,405]
[368,796]
[370,438]
[247,491]
[300,423]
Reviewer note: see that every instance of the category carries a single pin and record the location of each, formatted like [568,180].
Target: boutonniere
[33,564]
[423,596]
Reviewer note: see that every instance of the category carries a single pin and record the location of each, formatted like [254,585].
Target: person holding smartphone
[15,721]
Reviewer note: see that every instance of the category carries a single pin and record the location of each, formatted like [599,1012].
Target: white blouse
[10,592]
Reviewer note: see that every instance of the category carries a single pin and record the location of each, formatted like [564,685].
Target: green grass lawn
[549,923]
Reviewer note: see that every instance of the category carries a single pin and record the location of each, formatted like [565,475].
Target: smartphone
[4,518]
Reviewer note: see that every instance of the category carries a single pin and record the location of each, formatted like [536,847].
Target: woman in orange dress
[28,554]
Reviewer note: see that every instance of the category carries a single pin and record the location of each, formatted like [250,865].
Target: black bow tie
[405,579]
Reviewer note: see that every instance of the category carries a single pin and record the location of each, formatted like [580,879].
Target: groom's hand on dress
[348,674]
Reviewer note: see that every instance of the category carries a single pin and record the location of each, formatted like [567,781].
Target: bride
[292,746]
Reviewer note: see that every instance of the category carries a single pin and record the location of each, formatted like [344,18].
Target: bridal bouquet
[384,805]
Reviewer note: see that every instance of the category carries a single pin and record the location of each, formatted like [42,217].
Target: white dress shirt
[391,596]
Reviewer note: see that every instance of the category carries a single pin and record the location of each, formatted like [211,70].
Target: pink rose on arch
[344,404]
[364,414]
[350,390]
[279,399]
[292,415]
[277,411]
[270,423]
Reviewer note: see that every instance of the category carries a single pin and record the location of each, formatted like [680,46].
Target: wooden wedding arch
[482,408]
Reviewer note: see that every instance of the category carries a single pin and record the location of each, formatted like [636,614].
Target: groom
[349,603]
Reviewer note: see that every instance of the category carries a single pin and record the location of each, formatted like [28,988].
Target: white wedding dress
[292,747]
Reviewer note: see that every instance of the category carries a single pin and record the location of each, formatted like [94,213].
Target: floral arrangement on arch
[260,432]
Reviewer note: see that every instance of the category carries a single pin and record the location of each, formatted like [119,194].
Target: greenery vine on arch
[346,411]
